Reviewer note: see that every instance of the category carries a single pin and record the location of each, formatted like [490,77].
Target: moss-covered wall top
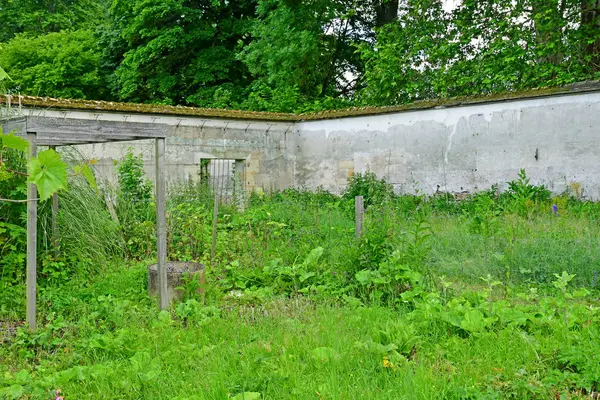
[46,102]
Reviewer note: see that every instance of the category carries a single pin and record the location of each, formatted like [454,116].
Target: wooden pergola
[54,132]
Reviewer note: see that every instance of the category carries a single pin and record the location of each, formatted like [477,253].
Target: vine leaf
[4,75]
[14,142]
[48,172]
[87,173]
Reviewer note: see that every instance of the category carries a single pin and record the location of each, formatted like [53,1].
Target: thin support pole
[161,224]
[55,229]
[238,186]
[359,210]
[213,250]
[31,240]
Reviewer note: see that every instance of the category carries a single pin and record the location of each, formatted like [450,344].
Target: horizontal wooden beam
[67,140]
[70,131]
[17,125]
[92,130]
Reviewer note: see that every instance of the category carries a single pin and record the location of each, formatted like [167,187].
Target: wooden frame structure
[53,132]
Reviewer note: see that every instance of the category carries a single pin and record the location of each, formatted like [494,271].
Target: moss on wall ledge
[106,106]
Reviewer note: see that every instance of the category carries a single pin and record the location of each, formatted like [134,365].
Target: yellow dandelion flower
[386,362]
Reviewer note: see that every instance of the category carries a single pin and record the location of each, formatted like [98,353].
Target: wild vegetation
[284,55]
[492,296]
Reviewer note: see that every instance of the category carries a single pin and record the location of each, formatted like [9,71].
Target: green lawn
[432,302]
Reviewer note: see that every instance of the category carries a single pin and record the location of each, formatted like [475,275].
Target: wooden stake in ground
[213,249]
[359,211]
[32,241]
[161,224]
[55,228]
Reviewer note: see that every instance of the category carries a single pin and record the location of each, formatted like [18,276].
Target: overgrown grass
[494,296]
[105,338]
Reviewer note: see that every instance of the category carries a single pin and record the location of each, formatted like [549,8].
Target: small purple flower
[555,209]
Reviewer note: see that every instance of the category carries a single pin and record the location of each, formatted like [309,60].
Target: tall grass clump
[89,237]
[87,230]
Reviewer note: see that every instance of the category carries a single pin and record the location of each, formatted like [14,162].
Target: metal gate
[226,177]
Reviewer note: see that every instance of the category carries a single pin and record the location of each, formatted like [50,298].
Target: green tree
[63,64]
[304,52]
[178,52]
[590,28]
[38,17]
[403,64]
[480,47]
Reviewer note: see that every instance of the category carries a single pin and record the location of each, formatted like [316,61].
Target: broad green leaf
[12,392]
[307,275]
[325,354]
[474,321]
[11,141]
[48,172]
[313,256]
[363,277]
[87,173]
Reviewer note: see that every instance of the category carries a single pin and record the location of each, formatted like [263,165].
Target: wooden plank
[69,141]
[161,224]
[213,249]
[16,125]
[97,138]
[359,211]
[45,141]
[31,241]
[55,229]
[77,129]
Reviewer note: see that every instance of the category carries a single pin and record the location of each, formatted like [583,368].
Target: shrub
[373,189]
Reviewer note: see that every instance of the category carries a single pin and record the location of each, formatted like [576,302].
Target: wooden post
[55,229]
[161,224]
[359,211]
[239,187]
[31,240]
[213,250]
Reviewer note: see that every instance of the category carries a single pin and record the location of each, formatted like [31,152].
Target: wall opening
[226,177]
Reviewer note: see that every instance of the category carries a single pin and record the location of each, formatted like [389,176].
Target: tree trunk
[548,20]
[387,11]
[590,25]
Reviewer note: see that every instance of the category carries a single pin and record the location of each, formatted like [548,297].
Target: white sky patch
[450,5]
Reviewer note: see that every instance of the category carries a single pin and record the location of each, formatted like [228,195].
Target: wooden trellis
[53,132]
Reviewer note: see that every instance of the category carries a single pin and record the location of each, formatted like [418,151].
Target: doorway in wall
[226,177]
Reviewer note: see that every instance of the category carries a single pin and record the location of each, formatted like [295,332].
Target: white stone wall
[457,149]
[468,148]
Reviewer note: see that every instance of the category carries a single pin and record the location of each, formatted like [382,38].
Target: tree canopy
[292,55]
[39,17]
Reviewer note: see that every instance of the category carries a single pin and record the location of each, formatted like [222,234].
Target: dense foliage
[493,296]
[284,55]
[40,17]
[64,64]
[482,47]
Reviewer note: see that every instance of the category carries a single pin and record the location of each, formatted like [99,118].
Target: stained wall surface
[260,145]
[556,139]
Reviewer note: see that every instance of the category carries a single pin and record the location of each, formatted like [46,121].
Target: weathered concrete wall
[469,148]
[457,149]
[262,145]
